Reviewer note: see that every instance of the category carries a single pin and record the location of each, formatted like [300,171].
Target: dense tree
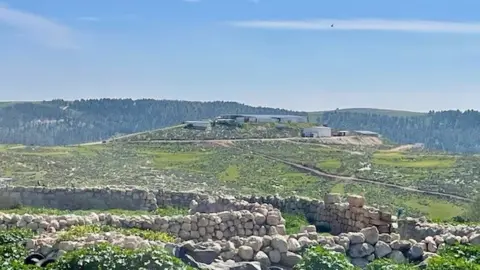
[452,131]
[59,122]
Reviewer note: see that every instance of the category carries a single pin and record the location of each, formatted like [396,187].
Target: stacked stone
[419,229]
[360,247]
[313,209]
[81,198]
[199,227]
[221,204]
[177,198]
[353,215]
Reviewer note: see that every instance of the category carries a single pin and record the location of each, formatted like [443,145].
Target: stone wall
[78,198]
[360,247]
[349,216]
[419,228]
[261,221]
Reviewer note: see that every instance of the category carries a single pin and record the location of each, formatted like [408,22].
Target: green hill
[314,115]
[60,122]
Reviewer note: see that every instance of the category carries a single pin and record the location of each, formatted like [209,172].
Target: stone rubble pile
[198,227]
[360,247]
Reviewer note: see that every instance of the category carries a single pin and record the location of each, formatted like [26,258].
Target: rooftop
[263,115]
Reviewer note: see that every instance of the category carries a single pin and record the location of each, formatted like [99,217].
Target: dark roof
[263,115]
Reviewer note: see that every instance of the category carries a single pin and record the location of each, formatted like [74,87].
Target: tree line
[451,131]
[60,122]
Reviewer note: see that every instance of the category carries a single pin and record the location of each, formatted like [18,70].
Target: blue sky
[410,54]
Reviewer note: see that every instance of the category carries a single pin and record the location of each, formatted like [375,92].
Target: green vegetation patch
[330,164]
[161,211]
[398,159]
[104,256]
[230,174]
[338,188]
[434,209]
[76,232]
[294,222]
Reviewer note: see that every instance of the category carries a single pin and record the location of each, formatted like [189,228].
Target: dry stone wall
[350,216]
[419,228]
[360,247]
[198,227]
[331,212]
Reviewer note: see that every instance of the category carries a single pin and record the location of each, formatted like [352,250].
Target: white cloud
[88,19]
[365,24]
[38,28]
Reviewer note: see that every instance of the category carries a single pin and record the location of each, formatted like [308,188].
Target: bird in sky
[331,25]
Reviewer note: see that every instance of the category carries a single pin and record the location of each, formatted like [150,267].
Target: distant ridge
[60,122]
[374,111]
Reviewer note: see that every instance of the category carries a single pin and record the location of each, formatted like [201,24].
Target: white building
[316,132]
[264,118]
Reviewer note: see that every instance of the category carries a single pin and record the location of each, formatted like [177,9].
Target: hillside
[61,122]
[452,131]
[219,132]
[422,183]
[387,112]
[125,199]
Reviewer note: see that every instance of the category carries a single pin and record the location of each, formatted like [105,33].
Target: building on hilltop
[316,132]
[263,118]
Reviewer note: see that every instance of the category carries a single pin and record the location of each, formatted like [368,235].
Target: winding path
[229,143]
[369,181]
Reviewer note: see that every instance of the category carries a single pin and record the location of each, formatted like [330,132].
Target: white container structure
[316,132]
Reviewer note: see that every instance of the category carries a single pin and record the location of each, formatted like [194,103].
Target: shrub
[293,222]
[317,258]
[104,256]
[469,253]
[451,263]
[10,254]
[14,236]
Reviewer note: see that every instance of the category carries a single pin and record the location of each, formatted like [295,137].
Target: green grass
[230,174]
[399,159]
[338,188]
[294,222]
[187,166]
[435,209]
[330,164]
[75,232]
[162,211]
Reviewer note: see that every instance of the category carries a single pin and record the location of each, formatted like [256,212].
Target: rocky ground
[253,249]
